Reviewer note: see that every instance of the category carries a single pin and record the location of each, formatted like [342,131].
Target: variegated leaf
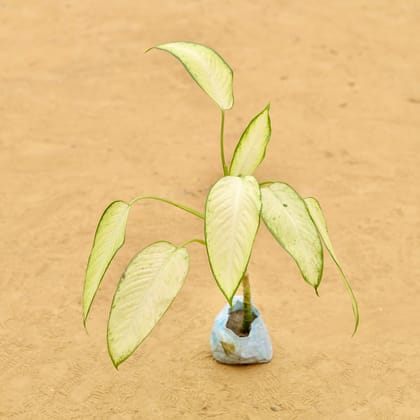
[146,290]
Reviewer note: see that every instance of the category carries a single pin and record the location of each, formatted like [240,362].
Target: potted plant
[234,207]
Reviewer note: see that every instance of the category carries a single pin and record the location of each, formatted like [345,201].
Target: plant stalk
[222,146]
[164,200]
[198,241]
[246,324]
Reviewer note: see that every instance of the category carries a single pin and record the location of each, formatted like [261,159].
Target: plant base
[235,322]
[227,347]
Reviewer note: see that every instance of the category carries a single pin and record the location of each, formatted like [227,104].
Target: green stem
[199,241]
[173,203]
[222,147]
[246,324]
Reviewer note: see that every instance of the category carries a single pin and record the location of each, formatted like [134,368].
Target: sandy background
[87,118]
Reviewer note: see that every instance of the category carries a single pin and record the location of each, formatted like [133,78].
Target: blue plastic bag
[227,347]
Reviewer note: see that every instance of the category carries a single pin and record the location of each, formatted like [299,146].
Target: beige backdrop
[87,118]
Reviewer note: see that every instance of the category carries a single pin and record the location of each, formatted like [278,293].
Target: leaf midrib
[235,220]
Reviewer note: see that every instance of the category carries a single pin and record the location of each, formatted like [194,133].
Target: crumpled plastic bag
[227,347]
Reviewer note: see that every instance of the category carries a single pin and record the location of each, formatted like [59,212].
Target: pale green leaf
[285,215]
[318,217]
[207,68]
[109,238]
[146,290]
[250,151]
[231,222]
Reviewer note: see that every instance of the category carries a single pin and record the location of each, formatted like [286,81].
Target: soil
[235,322]
[86,118]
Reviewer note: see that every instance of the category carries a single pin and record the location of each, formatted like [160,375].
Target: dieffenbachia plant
[235,205]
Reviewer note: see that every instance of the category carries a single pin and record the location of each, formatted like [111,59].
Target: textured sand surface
[87,118]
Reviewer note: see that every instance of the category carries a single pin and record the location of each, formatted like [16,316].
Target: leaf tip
[356,326]
[115,362]
[85,316]
[316,290]
[146,51]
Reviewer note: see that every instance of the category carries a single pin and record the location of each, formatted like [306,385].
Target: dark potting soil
[235,323]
